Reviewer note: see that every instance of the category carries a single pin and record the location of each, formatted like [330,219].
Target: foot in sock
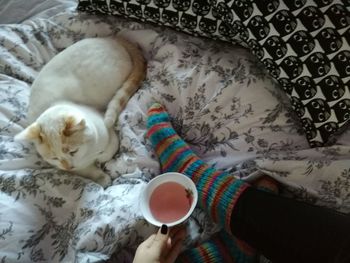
[220,248]
[218,191]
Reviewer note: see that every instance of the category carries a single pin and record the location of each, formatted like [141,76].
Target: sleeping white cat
[75,101]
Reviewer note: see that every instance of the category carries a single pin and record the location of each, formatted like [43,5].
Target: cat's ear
[72,125]
[31,133]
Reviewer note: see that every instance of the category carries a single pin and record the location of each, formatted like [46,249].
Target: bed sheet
[221,102]
[17,11]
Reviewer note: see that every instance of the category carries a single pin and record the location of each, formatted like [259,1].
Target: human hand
[163,247]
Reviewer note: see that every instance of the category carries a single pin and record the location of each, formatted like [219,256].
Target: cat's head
[60,139]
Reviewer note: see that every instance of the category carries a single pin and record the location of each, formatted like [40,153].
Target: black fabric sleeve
[285,230]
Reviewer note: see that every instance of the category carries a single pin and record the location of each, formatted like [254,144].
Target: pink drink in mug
[169,198]
[170,202]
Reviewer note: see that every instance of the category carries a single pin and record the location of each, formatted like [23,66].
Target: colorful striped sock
[218,191]
[221,248]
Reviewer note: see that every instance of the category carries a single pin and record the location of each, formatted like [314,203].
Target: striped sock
[221,248]
[218,191]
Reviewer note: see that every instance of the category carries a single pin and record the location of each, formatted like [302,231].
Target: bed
[222,101]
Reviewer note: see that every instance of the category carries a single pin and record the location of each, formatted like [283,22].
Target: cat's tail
[132,83]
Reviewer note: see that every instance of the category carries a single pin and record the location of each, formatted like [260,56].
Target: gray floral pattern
[221,102]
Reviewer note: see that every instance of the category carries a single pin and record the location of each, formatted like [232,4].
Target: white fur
[87,73]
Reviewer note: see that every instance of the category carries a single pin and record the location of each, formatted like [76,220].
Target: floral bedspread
[222,103]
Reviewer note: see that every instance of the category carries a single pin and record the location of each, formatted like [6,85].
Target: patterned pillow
[196,17]
[303,44]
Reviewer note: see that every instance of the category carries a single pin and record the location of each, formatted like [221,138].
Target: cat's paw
[96,174]
[103,179]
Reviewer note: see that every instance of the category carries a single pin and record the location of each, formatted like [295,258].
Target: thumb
[161,238]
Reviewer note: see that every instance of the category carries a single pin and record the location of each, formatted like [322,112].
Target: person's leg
[218,191]
[221,248]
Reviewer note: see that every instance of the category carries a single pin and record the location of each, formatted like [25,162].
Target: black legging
[285,230]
